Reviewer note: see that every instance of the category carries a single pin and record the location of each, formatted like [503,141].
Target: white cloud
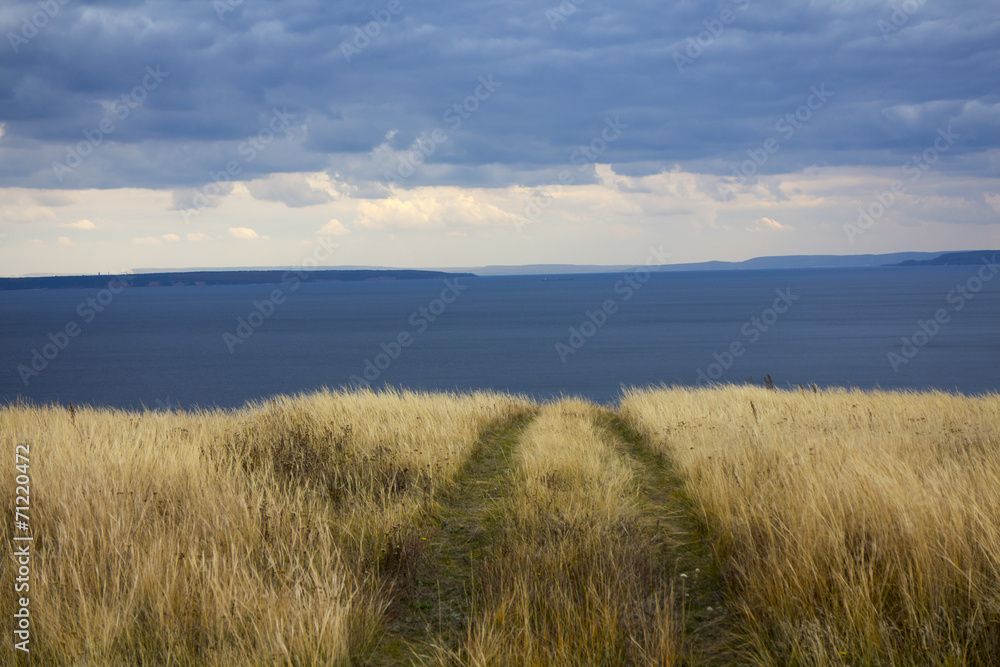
[293,190]
[442,209]
[768,225]
[171,237]
[333,228]
[146,240]
[243,233]
[24,213]
[63,240]
[197,236]
[81,224]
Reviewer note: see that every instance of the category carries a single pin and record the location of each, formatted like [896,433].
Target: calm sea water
[160,347]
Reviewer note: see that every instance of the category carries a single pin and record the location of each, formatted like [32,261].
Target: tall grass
[851,527]
[269,535]
[572,580]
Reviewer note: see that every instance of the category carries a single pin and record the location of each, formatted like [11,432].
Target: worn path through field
[667,514]
[436,605]
[433,611]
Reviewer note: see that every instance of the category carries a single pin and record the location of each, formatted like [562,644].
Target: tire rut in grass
[667,512]
[435,603]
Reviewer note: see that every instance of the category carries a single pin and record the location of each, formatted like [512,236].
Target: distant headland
[955,258]
[265,276]
[203,278]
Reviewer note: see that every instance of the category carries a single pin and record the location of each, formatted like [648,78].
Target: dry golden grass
[851,527]
[572,580]
[269,535]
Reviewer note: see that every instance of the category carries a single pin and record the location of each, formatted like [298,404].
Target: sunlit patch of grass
[272,534]
[572,580]
[849,528]
[852,527]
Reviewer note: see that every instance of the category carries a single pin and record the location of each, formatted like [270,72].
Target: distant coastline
[276,275]
[756,263]
[223,277]
[956,258]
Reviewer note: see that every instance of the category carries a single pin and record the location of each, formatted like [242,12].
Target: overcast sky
[421,133]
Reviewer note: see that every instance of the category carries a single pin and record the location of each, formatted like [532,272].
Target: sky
[419,133]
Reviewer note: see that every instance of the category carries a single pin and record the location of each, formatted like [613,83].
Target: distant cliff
[777,262]
[201,278]
[955,258]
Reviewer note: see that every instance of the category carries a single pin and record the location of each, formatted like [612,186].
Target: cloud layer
[450,118]
[165,94]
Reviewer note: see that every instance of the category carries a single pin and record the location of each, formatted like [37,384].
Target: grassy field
[733,525]
[848,527]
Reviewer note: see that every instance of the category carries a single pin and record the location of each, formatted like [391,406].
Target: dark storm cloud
[698,83]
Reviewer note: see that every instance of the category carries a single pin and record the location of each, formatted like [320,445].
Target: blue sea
[543,336]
